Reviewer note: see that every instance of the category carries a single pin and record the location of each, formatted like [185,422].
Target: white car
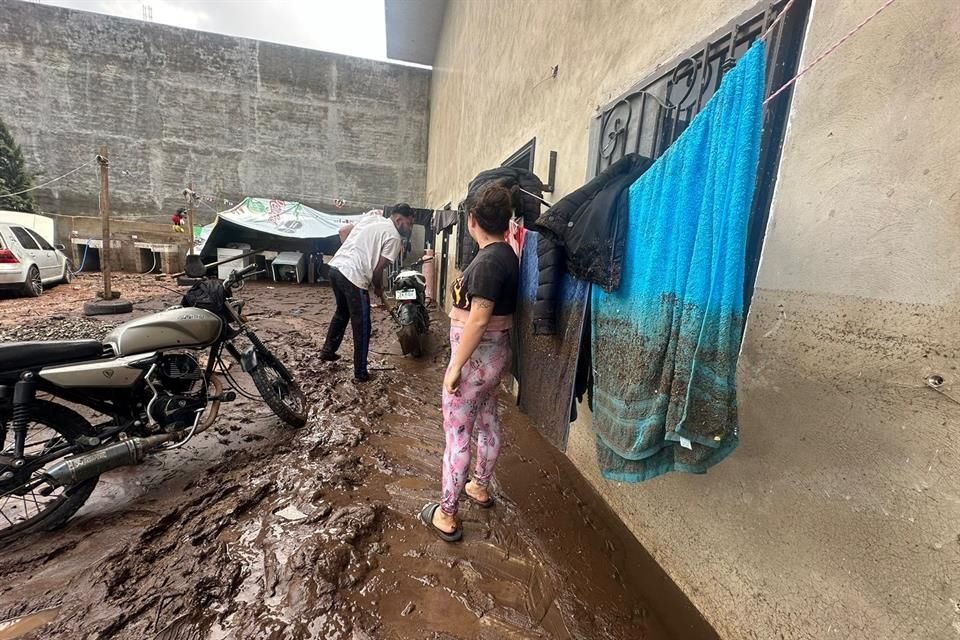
[28,262]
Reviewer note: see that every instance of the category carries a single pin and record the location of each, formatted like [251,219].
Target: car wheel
[67,272]
[33,286]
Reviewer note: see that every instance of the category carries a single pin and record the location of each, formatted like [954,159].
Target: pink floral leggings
[473,403]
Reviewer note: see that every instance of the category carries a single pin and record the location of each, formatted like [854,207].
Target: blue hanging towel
[665,344]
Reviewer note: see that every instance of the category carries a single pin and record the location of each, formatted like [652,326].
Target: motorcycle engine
[179,391]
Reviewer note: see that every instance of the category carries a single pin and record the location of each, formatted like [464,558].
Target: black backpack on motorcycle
[206,294]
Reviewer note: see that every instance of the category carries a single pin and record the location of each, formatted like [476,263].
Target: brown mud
[254,530]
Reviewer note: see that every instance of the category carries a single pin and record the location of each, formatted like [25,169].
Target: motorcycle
[410,312]
[147,382]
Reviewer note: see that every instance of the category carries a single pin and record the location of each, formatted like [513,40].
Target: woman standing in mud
[484,300]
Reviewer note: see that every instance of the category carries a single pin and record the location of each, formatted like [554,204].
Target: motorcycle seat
[30,355]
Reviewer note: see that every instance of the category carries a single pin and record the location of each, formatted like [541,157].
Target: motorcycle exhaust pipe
[119,454]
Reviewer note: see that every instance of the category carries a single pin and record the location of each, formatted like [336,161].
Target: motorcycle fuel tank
[170,329]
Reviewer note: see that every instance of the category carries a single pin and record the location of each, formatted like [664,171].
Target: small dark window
[40,241]
[24,238]
[523,158]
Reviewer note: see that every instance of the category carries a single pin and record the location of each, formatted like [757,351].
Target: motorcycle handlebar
[236,279]
[421,261]
[246,271]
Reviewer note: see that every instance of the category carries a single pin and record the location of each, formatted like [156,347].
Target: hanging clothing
[665,344]
[550,273]
[525,205]
[515,235]
[443,219]
[591,223]
[546,366]
[583,234]
[583,378]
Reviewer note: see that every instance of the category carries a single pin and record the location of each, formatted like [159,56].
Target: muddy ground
[254,530]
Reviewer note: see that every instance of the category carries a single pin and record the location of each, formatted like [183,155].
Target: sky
[351,27]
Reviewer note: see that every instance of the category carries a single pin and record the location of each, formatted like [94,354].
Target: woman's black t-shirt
[493,274]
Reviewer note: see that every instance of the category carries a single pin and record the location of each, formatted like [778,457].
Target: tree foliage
[13,175]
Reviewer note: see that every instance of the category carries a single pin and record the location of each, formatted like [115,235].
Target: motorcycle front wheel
[283,396]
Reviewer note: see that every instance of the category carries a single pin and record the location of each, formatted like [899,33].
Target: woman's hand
[451,381]
[481,310]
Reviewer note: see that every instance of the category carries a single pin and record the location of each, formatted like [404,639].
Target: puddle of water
[18,627]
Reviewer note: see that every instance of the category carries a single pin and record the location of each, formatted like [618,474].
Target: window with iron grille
[648,118]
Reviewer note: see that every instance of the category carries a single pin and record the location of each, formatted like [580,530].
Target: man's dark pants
[353,306]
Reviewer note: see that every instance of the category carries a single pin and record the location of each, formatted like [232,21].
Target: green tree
[13,175]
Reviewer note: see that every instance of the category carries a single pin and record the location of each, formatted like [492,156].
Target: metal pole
[105,249]
[220,262]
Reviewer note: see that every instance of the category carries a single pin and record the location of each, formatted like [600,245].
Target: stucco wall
[837,516]
[236,117]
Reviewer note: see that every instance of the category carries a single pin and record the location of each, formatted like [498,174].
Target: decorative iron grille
[652,115]
[648,118]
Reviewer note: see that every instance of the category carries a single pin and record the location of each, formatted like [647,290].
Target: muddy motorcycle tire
[69,425]
[278,391]
[410,340]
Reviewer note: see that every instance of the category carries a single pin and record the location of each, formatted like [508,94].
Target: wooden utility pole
[106,249]
[189,196]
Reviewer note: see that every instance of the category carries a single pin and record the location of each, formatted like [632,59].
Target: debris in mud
[407,610]
[292,514]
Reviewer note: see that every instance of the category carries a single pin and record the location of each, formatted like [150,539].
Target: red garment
[515,235]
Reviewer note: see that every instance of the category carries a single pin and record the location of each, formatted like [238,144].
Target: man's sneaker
[363,377]
[329,357]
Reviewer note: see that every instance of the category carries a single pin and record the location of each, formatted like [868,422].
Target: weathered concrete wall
[236,117]
[837,517]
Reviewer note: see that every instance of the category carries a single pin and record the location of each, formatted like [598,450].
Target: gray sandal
[426,516]
[486,504]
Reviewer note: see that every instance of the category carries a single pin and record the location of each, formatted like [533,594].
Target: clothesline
[777,20]
[829,49]
[49,182]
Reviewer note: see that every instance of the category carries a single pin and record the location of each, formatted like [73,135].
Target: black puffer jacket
[590,223]
[584,233]
[527,206]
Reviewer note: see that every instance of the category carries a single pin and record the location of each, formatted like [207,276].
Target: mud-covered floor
[258,531]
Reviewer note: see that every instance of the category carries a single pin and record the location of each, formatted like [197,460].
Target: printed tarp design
[290,220]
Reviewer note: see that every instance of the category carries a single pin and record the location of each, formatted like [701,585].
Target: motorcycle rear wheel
[410,340]
[50,425]
[284,397]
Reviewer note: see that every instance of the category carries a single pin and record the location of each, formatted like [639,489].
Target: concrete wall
[236,117]
[838,515]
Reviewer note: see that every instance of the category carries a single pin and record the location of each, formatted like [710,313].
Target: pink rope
[830,50]
[777,19]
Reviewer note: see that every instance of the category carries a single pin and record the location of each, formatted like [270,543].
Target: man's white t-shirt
[372,236]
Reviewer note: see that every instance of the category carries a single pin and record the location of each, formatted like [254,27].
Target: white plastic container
[223,271]
[289,266]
